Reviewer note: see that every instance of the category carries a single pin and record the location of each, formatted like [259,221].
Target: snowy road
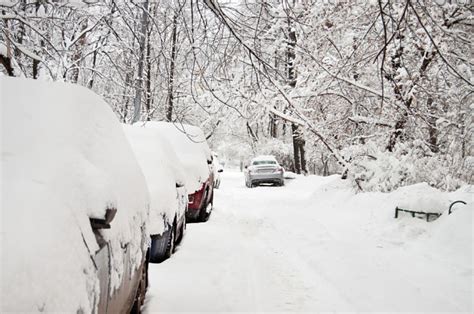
[290,249]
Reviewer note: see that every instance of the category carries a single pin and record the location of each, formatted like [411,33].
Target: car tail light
[279,169]
[196,196]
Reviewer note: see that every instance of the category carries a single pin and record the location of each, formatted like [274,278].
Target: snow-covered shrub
[374,169]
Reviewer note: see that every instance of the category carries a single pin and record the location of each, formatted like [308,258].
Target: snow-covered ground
[313,246]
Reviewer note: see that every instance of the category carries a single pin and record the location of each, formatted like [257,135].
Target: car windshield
[264,162]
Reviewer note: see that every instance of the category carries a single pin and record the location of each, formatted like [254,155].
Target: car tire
[162,246]
[171,242]
[203,214]
[182,231]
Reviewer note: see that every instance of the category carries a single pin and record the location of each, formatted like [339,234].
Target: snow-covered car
[218,169]
[74,203]
[164,174]
[193,152]
[264,169]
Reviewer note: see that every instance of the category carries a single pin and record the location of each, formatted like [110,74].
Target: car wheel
[162,246]
[204,214]
[182,231]
[171,242]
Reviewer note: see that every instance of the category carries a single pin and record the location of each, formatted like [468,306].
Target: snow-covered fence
[414,212]
[450,210]
[425,213]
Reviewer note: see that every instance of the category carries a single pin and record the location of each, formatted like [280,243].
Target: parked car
[218,169]
[164,174]
[264,169]
[74,203]
[193,152]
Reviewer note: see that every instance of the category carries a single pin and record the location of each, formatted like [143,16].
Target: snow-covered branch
[372,121]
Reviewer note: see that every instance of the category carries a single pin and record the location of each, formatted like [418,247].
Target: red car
[200,202]
[194,154]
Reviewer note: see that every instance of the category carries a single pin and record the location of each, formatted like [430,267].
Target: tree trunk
[94,61]
[432,130]
[7,64]
[76,59]
[169,110]
[273,126]
[137,104]
[400,89]
[148,77]
[298,140]
[296,150]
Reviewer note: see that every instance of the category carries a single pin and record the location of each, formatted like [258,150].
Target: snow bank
[421,197]
[162,170]
[64,159]
[191,147]
[450,236]
[423,266]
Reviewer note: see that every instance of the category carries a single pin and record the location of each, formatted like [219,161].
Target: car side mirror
[179,184]
[220,170]
[97,223]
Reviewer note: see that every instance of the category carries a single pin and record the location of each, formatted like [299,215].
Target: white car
[74,206]
[193,152]
[164,174]
[218,169]
[264,169]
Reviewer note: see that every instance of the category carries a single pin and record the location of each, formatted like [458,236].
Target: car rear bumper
[266,178]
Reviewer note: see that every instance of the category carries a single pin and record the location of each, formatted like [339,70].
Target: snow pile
[191,147]
[64,159]
[162,170]
[383,263]
[421,197]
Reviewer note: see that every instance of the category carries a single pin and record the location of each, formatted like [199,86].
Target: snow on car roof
[162,170]
[64,159]
[192,149]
